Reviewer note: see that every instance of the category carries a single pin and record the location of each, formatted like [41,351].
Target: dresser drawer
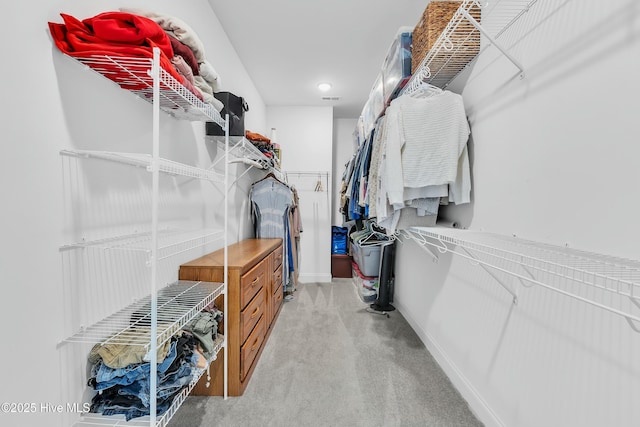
[251,314]
[251,347]
[251,282]
[276,301]
[277,278]
[277,258]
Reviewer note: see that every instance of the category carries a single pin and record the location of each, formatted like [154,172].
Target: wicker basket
[434,20]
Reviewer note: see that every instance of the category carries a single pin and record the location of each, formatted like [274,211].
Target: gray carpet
[329,362]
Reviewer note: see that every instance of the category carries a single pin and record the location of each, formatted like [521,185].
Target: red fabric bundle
[185,51]
[116,34]
[255,136]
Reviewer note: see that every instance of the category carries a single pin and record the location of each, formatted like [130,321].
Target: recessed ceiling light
[324,86]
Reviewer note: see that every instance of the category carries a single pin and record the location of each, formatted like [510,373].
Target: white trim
[477,404]
[314,277]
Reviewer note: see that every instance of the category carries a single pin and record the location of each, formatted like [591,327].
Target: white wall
[305,135]
[555,159]
[343,149]
[53,103]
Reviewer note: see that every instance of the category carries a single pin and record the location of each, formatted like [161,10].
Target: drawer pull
[255,312]
[255,344]
[255,281]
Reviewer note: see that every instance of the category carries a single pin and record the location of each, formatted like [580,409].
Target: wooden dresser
[255,292]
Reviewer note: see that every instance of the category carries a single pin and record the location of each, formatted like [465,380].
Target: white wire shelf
[607,282]
[177,304]
[170,242]
[243,149]
[459,43]
[142,160]
[134,74]
[91,419]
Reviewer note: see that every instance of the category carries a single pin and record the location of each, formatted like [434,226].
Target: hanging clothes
[295,220]
[377,151]
[271,203]
[356,203]
[345,194]
[428,144]
[424,157]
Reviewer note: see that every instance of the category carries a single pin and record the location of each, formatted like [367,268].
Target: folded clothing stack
[263,144]
[121,372]
[133,33]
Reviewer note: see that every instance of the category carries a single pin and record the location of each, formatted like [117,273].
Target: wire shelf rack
[607,282]
[167,308]
[459,43]
[134,74]
[170,242]
[143,160]
[177,303]
[244,149]
[161,421]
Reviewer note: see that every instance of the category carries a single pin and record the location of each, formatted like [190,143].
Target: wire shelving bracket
[135,75]
[459,43]
[146,161]
[177,303]
[604,281]
[171,241]
[245,152]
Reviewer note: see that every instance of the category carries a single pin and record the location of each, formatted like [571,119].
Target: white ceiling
[289,46]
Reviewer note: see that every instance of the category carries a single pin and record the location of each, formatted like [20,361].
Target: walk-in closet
[345,213]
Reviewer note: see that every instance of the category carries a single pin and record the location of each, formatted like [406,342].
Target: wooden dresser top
[242,255]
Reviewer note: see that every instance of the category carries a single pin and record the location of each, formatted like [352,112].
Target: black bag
[235,106]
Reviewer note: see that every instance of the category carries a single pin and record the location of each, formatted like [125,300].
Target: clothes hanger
[425,90]
[272,175]
[420,88]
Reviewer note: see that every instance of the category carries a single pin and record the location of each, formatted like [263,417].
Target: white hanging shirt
[427,143]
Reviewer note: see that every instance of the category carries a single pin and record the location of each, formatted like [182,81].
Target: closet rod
[308,173]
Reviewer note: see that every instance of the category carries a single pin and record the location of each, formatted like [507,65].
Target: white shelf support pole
[492,40]
[226,256]
[153,385]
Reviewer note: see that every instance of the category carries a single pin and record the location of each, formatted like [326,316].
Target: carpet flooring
[329,362]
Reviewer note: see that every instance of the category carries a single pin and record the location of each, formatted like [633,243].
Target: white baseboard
[476,403]
[314,278]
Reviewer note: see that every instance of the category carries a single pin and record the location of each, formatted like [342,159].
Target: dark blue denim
[126,391]
[165,387]
[107,377]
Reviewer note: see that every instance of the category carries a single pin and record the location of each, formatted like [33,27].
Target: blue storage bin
[339,239]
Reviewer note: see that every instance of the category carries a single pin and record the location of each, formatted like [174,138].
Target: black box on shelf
[235,106]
